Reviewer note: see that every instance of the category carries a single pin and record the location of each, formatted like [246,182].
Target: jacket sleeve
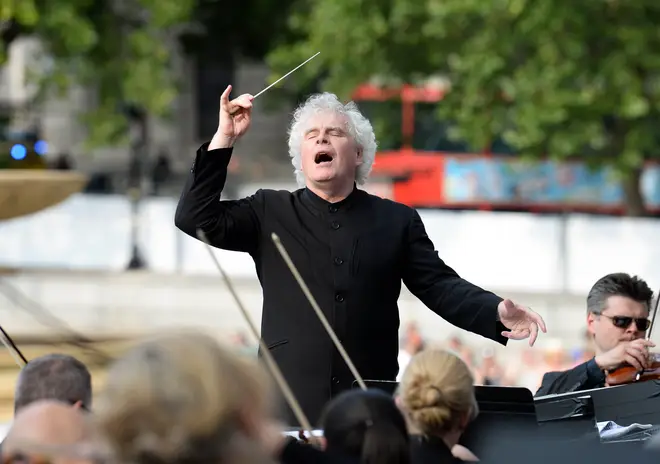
[584,376]
[441,289]
[228,224]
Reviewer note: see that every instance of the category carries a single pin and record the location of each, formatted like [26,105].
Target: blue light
[41,148]
[18,152]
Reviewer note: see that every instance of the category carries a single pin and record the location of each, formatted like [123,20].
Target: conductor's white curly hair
[359,128]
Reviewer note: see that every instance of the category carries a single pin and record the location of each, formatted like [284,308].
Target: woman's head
[367,425]
[437,393]
[179,397]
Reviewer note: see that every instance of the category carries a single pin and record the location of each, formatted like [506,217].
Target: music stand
[507,416]
[625,405]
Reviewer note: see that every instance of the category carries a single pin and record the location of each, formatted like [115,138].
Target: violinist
[353,249]
[618,307]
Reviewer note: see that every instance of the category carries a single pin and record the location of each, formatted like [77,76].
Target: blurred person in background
[367,425]
[555,356]
[455,344]
[48,425]
[437,397]
[57,377]
[353,249]
[489,371]
[412,343]
[528,372]
[618,308]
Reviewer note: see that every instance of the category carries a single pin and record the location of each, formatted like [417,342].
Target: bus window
[432,134]
[385,116]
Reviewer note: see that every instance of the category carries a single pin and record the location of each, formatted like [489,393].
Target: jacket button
[339,297]
[335,225]
[333,209]
[335,380]
[339,261]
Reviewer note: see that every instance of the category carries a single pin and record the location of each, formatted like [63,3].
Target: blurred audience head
[182,398]
[48,426]
[57,377]
[366,425]
[437,396]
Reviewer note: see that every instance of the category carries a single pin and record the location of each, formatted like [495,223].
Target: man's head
[54,377]
[617,310]
[330,143]
[47,424]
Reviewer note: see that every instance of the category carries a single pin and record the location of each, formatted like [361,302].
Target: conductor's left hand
[522,322]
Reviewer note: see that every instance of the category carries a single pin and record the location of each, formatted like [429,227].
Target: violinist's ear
[591,321]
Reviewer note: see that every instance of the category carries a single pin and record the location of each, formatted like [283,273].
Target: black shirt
[352,254]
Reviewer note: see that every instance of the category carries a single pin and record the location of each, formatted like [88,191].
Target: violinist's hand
[522,322]
[635,353]
[235,119]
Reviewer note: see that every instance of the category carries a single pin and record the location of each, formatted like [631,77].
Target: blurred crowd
[486,368]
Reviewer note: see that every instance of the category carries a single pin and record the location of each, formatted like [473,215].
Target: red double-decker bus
[419,164]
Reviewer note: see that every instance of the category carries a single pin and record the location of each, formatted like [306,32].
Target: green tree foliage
[555,77]
[121,47]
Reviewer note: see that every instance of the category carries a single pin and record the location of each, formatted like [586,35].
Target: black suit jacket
[582,377]
[352,254]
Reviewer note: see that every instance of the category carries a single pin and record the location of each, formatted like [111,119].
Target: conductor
[352,249]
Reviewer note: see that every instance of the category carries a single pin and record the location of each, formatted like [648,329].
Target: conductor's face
[329,153]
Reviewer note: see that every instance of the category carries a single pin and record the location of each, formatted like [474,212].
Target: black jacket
[430,450]
[585,376]
[353,255]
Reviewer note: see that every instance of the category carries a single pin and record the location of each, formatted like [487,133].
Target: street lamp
[138,129]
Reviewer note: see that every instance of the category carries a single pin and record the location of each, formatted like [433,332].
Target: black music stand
[625,405]
[567,416]
[507,416]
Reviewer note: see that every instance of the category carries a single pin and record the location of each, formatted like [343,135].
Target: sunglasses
[623,322]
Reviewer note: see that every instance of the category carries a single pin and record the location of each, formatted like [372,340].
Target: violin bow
[317,310]
[38,312]
[655,313]
[648,332]
[268,357]
[14,351]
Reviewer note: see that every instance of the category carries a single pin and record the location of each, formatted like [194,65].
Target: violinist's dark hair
[57,377]
[618,284]
[366,424]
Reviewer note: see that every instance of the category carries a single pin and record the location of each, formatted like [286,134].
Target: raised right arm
[230,224]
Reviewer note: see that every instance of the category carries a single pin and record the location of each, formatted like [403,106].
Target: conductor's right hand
[634,353]
[234,121]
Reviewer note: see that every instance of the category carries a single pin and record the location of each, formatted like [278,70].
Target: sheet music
[610,430]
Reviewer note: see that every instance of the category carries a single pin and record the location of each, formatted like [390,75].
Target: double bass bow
[626,374]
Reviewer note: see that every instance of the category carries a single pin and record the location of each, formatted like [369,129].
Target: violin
[627,374]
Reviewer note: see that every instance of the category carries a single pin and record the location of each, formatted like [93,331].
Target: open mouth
[323,157]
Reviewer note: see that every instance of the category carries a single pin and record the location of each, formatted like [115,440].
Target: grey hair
[359,128]
[618,284]
[57,377]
